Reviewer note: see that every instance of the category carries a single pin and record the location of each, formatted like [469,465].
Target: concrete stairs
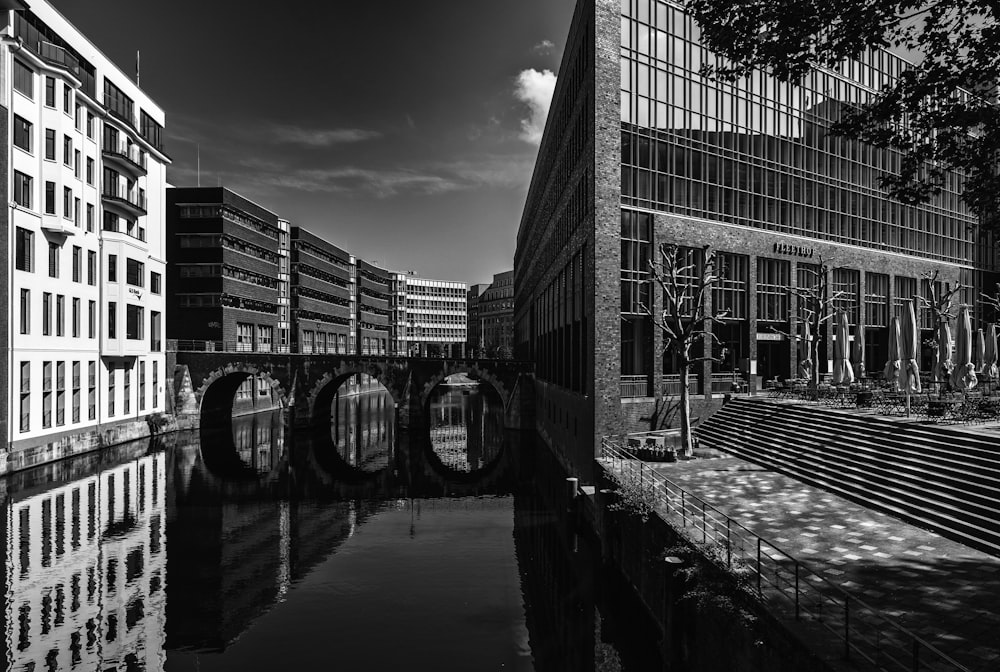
[942,479]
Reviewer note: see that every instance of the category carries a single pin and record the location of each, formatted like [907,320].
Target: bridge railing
[224,346]
[783,582]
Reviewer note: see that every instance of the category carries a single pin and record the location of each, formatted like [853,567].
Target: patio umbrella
[909,346]
[990,358]
[891,371]
[858,352]
[843,374]
[978,350]
[942,361]
[805,364]
[964,375]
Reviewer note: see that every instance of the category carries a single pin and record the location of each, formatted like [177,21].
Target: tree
[685,276]
[926,114]
[939,303]
[816,304]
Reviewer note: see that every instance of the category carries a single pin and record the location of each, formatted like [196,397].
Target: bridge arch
[320,396]
[474,371]
[218,390]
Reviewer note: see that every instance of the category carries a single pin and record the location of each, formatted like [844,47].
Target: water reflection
[363,424]
[86,571]
[466,427]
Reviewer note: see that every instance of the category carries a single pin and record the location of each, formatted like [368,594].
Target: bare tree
[685,280]
[817,305]
[942,309]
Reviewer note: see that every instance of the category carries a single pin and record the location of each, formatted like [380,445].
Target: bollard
[572,491]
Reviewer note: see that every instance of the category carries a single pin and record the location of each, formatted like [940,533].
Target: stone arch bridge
[205,383]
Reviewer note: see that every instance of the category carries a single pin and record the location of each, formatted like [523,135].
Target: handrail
[865,630]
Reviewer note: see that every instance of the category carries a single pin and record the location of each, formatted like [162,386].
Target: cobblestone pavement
[947,593]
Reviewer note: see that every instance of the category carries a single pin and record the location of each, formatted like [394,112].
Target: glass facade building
[641,152]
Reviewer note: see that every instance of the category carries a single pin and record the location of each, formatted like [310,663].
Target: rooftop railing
[790,588]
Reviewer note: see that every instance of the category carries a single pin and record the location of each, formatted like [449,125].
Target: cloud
[320,137]
[379,183]
[544,47]
[534,89]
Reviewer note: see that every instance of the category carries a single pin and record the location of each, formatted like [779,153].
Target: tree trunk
[687,445]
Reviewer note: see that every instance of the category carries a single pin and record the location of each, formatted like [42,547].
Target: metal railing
[121,194]
[126,151]
[723,382]
[635,386]
[781,581]
[670,384]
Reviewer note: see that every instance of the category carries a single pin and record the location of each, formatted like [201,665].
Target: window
[46,394]
[91,267]
[50,198]
[60,393]
[265,335]
[67,202]
[244,337]
[90,170]
[25,396]
[156,380]
[773,280]
[50,144]
[112,268]
[154,282]
[67,150]
[307,341]
[92,319]
[67,98]
[92,390]
[25,250]
[155,344]
[22,133]
[76,163]
[53,260]
[22,189]
[112,317]
[90,125]
[46,313]
[90,217]
[112,374]
[24,79]
[60,315]
[134,322]
[50,91]
[76,391]
[142,386]
[25,311]
[77,263]
[76,318]
[76,212]
[135,272]
[127,391]
[77,117]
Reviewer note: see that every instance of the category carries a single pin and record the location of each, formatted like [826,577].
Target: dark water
[368,547]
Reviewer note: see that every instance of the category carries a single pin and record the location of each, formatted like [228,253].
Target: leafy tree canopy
[922,114]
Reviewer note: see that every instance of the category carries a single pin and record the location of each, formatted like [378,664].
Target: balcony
[133,204]
[56,55]
[125,156]
[58,225]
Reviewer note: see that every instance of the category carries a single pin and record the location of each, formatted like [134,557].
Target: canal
[367,547]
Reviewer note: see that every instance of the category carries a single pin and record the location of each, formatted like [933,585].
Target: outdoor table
[942,410]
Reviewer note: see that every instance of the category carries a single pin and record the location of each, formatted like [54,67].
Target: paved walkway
[947,593]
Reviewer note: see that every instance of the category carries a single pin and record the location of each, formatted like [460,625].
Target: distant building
[435,315]
[375,295]
[322,288]
[496,315]
[474,331]
[85,168]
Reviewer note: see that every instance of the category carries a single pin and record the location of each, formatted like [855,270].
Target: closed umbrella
[843,374]
[890,374]
[909,346]
[964,375]
[858,352]
[978,350]
[990,358]
[805,363]
[942,363]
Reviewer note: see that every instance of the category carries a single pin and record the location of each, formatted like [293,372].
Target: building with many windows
[433,316]
[324,311]
[475,345]
[640,151]
[496,316]
[84,224]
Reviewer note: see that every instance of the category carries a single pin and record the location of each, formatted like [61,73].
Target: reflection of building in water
[466,430]
[85,566]
[363,423]
[259,440]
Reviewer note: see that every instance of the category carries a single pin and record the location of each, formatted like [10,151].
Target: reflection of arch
[472,370]
[452,428]
[320,397]
[218,389]
[229,456]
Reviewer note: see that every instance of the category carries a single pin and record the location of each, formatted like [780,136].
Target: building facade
[435,317]
[641,151]
[496,316]
[85,173]
[474,345]
[324,310]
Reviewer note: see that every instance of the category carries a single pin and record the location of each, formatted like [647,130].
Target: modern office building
[435,316]
[474,345]
[640,150]
[86,243]
[324,311]
[496,316]
[374,300]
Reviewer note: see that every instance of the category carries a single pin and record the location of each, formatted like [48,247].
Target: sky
[404,133]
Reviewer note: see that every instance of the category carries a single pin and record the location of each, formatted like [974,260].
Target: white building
[85,232]
[430,316]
